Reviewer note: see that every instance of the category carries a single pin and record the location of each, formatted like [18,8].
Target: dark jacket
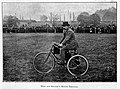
[69,39]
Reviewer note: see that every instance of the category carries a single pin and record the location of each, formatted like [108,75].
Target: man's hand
[61,45]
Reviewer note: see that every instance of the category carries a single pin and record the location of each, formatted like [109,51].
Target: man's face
[65,27]
[64,30]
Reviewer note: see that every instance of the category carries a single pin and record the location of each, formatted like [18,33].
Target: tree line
[87,24]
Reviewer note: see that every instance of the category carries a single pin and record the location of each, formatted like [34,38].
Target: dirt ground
[20,49]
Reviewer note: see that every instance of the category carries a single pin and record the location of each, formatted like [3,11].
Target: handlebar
[57,44]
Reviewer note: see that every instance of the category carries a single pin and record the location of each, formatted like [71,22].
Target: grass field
[20,49]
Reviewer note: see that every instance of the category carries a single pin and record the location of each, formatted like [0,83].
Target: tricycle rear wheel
[77,65]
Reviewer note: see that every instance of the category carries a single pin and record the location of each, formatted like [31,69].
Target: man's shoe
[61,63]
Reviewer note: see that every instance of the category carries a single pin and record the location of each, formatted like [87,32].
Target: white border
[81,85]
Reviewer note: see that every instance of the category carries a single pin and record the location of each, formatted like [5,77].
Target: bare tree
[54,18]
[43,18]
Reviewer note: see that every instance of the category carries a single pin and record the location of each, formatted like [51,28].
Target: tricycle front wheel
[43,62]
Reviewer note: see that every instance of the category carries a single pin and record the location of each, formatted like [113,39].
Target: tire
[43,65]
[77,65]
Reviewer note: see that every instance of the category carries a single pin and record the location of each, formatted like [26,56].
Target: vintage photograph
[59,41]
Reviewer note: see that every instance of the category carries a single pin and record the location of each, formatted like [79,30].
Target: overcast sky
[34,10]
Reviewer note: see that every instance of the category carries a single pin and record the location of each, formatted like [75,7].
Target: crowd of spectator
[111,28]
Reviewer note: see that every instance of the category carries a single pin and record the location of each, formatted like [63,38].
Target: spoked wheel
[77,65]
[43,62]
